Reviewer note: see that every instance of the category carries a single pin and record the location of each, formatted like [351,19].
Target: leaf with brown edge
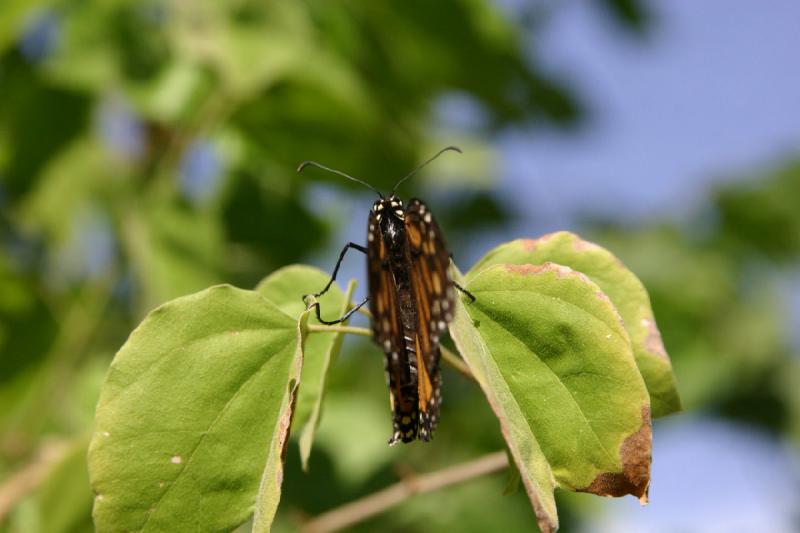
[636,458]
[623,288]
[285,288]
[551,354]
[269,490]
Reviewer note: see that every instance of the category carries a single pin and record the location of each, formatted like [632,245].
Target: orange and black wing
[434,295]
[388,333]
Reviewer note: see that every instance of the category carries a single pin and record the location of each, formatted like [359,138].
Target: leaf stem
[359,510]
[450,358]
[457,363]
[340,329]
[19,484]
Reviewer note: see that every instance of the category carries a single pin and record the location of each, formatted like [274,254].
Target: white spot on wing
[176,460]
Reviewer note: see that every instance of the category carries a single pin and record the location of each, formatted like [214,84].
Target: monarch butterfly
[412,299]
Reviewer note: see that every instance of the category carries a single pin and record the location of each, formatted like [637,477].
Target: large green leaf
[284,288]
[550,352]
[623,288]
[196,405]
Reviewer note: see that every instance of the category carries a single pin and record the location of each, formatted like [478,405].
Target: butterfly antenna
[440,152]
[305,164]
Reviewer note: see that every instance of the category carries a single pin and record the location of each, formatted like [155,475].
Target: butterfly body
[411,298]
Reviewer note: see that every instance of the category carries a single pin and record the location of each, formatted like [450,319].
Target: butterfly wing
[434,295]
[388,332]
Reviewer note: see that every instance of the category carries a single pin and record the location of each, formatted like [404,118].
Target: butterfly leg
[336,268]
[343,318]
[465,291]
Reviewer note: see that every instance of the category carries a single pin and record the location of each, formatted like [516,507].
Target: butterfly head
[389,208]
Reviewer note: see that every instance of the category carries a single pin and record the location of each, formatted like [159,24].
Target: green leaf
[269,491]
[549,351]
[284,288]
[194,406]
[175,250]
[623,288]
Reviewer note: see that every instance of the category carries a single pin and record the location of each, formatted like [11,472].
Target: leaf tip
[636,456]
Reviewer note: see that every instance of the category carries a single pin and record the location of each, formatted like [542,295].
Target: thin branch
[457,363]
[360,510]
[450,358]
[19,484]
[340,329]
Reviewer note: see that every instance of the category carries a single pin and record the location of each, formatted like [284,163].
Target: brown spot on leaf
[526,270]
[653,342]
[636,456]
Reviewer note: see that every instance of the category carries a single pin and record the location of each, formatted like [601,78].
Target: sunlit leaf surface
[551,354]
[195,404]
[621,286]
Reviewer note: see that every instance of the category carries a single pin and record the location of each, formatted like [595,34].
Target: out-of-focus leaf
[80,177]
[630,13]
[472,213]
[27,327]
[14,17]
[550,352]
[28,108]
[255,217]
[750,213]
[353,433]
[195,404]
[285,288]
[174,250]
[621,286]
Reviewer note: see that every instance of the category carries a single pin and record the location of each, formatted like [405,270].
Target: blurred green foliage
[147,150]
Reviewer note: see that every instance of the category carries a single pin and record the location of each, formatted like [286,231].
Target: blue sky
[709,95]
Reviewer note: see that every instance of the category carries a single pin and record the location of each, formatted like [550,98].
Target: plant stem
[340,329]
[450,358]
[376,503]
[19,484]
[457,363]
